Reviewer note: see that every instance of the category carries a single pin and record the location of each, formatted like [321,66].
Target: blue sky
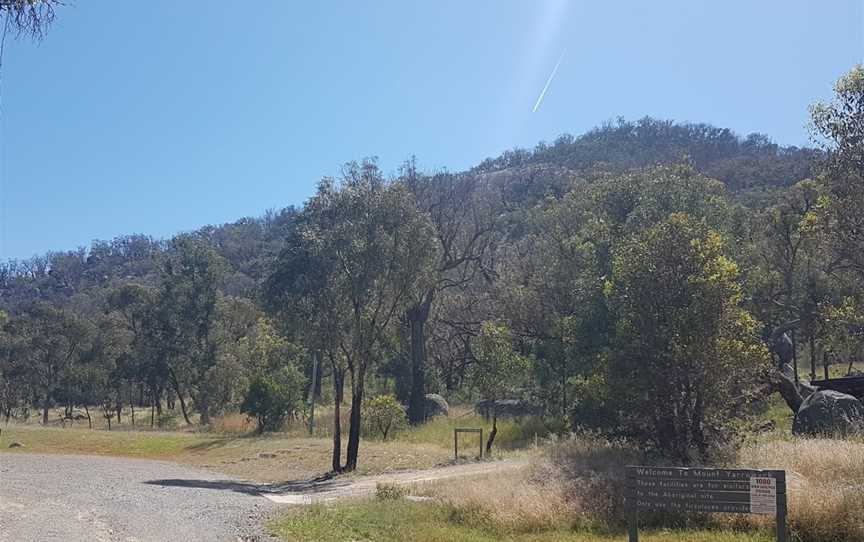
[160,116]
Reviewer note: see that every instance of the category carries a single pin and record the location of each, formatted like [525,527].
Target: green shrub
[383,414]
[272,396]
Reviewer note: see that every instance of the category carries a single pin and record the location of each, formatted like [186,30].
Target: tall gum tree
[360,247]
[464,216]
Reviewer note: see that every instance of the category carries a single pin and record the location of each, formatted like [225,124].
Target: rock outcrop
[829,413]
[435,405]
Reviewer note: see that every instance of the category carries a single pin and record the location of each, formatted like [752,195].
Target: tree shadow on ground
[321,484]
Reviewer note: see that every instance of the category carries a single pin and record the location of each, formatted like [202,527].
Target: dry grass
[825,479]
[580,483]
[232,424]
[517,501]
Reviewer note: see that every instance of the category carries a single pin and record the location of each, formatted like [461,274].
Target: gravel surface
[70,498]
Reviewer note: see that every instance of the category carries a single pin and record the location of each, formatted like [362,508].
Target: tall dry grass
[518,501]
[580,481]
[235,423]
[825,480]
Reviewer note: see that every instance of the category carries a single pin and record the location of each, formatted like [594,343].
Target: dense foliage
[630,280]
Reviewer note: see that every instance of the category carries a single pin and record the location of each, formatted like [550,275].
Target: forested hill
[753,168]
[752,162]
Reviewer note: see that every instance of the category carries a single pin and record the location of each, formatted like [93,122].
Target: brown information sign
[676,489]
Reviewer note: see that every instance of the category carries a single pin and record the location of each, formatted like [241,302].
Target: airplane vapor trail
[548,82]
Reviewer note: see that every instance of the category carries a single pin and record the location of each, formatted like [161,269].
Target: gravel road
[46,498]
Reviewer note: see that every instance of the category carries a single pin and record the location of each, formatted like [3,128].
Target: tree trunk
[493,432]
[825,363]
[46,404]
[176,384]
[696,427]
[338,389]
[789,391]
[357,385]
[417,317]
[89,421]
[812,357]
[183,408]
[203,405]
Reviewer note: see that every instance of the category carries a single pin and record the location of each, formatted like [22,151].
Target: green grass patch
[399,520]
[778,412]
[144,444]
[512,434]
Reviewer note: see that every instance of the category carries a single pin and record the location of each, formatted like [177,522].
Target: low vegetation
[576,493]
[399,520]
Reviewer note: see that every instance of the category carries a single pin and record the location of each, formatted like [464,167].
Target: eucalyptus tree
[132,306]
[464,211]
[839,125]
[360,247]
[500,370]
[791,271]
[48,344]
[181,329]
[298,291]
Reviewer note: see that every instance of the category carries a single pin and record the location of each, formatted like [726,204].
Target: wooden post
[781,506]
[455,444]
[631,509]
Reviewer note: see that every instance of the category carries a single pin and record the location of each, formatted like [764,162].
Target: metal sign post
[678,489]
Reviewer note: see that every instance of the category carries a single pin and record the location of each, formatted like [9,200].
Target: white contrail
[548,82]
